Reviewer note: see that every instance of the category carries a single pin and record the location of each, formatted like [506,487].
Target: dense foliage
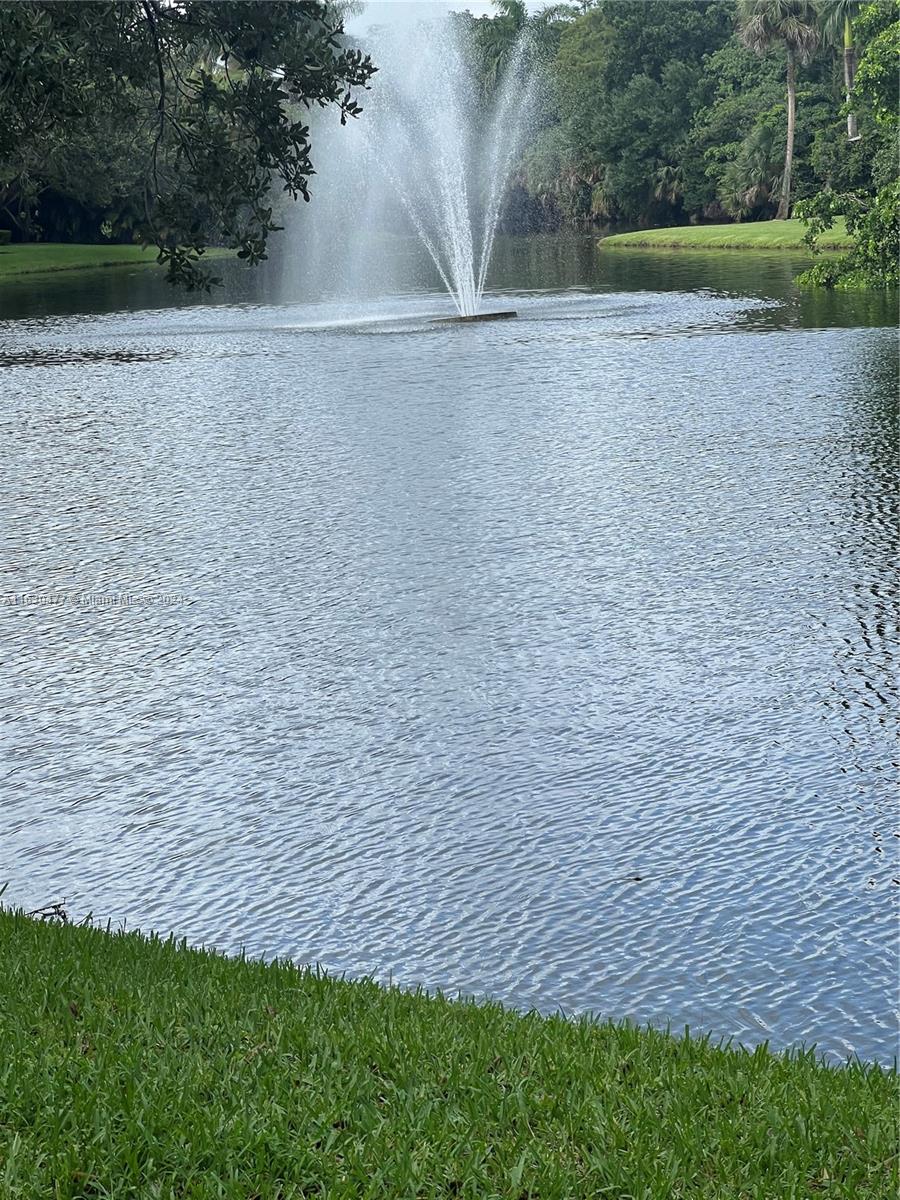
[164,122]
[872,208]
[673,111]
[136,1068]
[169,121]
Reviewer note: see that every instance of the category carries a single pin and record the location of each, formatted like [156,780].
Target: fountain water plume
[428,145]
[505,140]
[446,160]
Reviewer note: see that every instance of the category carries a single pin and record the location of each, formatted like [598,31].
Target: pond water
[550,659]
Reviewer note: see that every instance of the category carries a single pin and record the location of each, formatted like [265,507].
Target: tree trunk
[784,204]
[849,73]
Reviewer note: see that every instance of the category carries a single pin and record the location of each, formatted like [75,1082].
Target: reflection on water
[399,266]
[552,658]
[35,356]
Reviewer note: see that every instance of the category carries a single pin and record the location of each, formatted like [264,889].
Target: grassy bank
[760,235]
[139,1068]
[37,258]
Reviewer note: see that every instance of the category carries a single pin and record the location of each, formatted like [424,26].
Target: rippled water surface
[550,658]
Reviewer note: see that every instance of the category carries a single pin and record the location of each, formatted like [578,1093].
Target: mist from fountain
[427,145]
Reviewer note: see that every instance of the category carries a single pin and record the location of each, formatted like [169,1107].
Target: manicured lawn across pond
[136,1067]
[758,235]
[34,258]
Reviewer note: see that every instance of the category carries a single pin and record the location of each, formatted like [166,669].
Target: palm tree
[836,18]
[502,34]
[751,179]
[668,184]
[565,10]
[763,24]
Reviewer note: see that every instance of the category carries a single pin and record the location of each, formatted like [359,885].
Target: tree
[764,24]
[752,177]
[872,213]
[631,79]
[659,111]
[837,18]
[743,92]
[499,37]
[213,90]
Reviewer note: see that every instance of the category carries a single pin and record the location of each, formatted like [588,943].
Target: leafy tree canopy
[664,111]
[177,122]
[871,210]
[208,95]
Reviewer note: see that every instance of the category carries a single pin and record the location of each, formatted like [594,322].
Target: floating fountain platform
[488,316]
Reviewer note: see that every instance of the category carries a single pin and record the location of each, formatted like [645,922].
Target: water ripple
[551,659]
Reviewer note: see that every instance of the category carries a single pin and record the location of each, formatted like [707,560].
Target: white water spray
[446,158]
[427,141]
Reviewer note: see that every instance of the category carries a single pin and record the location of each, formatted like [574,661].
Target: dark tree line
[665,112]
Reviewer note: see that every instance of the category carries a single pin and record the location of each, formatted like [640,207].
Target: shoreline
[757,236]
[139,1062]
[21,259]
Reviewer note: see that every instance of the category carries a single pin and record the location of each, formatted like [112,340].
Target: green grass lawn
[135,1068]
[759,235]
[34,258]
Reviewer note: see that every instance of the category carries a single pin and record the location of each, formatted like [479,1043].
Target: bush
[5,235]
[874,221]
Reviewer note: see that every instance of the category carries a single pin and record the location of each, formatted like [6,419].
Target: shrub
[874,222]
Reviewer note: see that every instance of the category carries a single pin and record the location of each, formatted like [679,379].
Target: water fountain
[448,160]
[429,146]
